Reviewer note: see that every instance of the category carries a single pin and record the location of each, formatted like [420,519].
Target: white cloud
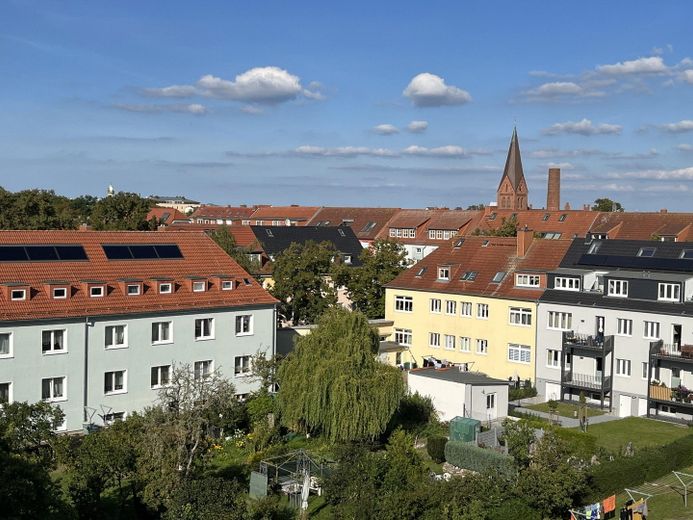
[429,90]
[675,174]
[252,110]
[193,108]
[687,76]
[583,127]
[685,125]
[561,165]
[263,85]
[440,151]
[385,129]
[417,127]
[651,65]
[685,147]
[343,151]
[553,153]
[556,88]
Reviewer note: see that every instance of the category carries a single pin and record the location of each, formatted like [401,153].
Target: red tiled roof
[424,220]
[575,222]
[201,258]
[486,256]
[297,213]
[224,212]
[644,226]
[357,219]
[243,235]
[166,215]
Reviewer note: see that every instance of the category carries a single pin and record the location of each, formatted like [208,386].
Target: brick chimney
[524,240]
[553,191]
[664,210]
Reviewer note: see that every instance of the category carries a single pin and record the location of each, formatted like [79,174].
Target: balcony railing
[679,395]
[587,341]
[672,351]
[595,382]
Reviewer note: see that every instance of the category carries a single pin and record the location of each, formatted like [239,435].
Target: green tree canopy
[225,239]
[333,383]
[607,205]
[380,264]
[301,283]
[121,212]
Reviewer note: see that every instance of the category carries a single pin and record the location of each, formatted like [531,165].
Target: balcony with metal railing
[679,396]
[587,343]
[597,382]
[671,351]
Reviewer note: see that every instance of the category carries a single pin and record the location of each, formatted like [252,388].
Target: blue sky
[404,104]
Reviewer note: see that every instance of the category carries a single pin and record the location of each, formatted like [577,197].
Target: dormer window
[647,251]
[165,288]
[562,217]
[200,286]
[527,280]
[444,273]
[618,288]
[134,289]
[17,295]
[59,293]
[226,285]
[96,291]
[669,292]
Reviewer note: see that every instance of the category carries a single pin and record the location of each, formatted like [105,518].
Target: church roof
[513,164]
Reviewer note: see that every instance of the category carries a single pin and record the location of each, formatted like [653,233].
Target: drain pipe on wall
[85,386]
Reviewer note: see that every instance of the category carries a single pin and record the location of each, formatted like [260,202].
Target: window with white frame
[5,393]
[160,376]
[481,346]
[624,327]
[403,336]
[644,370]
[566,284]
[436,305]
[651,330]
[434,339]
[96,291]
[519,353]
[560,320]
[466,309]
[162,332]
[53,341]
[134,289]
[17,294]
[482,311]
[199,286]
[449,342]
[244,325]
[5,344]
[490,401]
[520,316]
[444,273]
[204,328]
[450,307]
[404,303]
[465,344]
[59,293]
[618,288]
[622,367]
[226,285]
[669,292]
[115,382]
[527,280]
[553,358]
[165,288]
[241,365]
[53,389]
[203,369]
[111,417]
[116,336]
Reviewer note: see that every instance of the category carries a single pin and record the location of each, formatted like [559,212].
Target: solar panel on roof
[168,251]
[13,254]
[41,253]
[143,252]
[117,252]
[37,253]
[71,253]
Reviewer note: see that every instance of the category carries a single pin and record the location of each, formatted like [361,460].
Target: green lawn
[564,409]
[642,432]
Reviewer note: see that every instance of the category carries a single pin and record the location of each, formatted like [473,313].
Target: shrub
[435,446]
[468,456]
[646,465]
[522,393]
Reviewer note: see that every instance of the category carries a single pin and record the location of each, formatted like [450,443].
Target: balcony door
[599,368]
[676,336]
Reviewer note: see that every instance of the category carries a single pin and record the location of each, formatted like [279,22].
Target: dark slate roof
[598,300]
[623,254]
[513,164]
[456,376]
[275,239]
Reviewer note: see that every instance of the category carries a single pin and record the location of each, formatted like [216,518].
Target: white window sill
[520,325]
[409,312]
[6,356]
[204,338]
[116,392]
[55,400]
[481,353]
[465,315]
[117,347]
[623,335]
[520,362]
[54,352]
[241,334]
[244,374]
[166,342]
[555,368]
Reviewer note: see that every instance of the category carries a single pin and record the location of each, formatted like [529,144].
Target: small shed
[464,429]
[456,392]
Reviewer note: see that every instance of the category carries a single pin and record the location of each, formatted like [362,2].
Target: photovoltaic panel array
[42,253]
[637,262]
[141,251]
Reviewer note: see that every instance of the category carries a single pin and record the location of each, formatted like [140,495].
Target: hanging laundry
[609,504]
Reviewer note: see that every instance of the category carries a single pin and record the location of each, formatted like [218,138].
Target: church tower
[512,190]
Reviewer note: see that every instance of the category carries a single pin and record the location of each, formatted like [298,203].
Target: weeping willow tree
[332,382]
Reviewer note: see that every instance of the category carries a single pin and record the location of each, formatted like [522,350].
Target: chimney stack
[524,240]
[553,192]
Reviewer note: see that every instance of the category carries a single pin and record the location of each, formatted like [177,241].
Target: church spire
[512,190]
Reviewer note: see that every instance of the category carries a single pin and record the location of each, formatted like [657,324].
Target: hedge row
[646,465]
[435,446]
[521,393]
[468,456]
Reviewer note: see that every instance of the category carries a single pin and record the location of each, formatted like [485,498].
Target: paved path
[565,422]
